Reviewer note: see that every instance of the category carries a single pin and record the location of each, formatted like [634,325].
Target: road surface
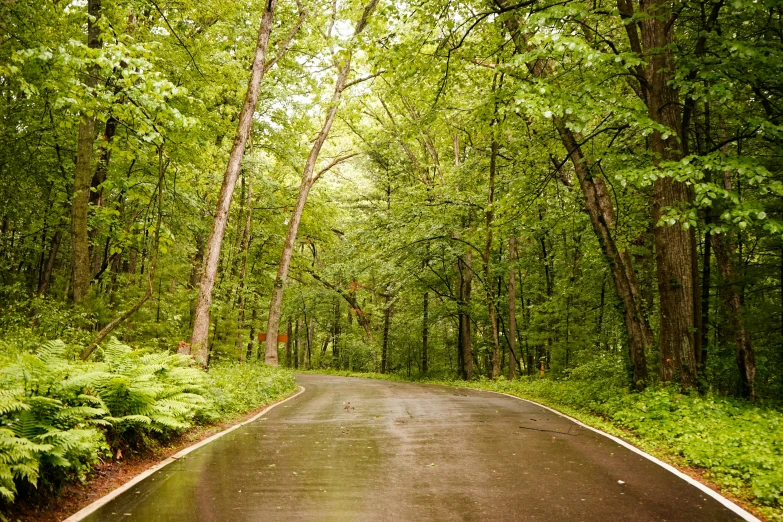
[410,452]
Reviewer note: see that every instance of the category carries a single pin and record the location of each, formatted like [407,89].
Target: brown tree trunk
[512,308]
[336,334]
[725,252]
[310,341]
[309,177]
[706,277]
[600,208]
[243,269]
[54,247]
[465,335]
[251,338]
[298,343]
[489,217]
[80,242]
[96,190]
[288,344]
[675,247]
[386,321]
[425,334]
[199,339]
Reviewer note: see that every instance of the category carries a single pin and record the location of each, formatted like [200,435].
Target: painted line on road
[728,504]
[88,510]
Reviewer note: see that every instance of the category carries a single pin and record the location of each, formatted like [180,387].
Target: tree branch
[334,162]
[290,38]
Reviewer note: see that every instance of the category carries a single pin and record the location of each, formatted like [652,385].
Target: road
[408,452]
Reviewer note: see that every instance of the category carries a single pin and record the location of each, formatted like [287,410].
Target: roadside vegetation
[61,416]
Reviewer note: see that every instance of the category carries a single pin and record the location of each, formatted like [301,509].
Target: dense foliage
[446,189]
[61,417]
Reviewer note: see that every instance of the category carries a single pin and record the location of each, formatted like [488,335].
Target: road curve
[408,452]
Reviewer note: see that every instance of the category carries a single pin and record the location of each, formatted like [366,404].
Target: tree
[309,177]
[200,335]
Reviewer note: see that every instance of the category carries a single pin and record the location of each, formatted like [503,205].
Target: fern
[56,415]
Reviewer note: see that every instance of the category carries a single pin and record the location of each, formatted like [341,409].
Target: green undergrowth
[60,417]
[738,444]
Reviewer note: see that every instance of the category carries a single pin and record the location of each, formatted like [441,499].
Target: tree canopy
[448,189]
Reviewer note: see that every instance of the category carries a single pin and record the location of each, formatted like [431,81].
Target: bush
[60,416]
[235,388]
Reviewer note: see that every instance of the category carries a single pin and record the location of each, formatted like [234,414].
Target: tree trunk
[309,177]
[301,330]
[425,334]
[706,277]
[600,208]
[199,339]
[511,335]
[489,216]
[243,269]
[465,335]
[46,279]
[386,321]
[310,341]
[80,242]
[725,251]
[336,334]
[297,344]
[96,189]
[251,338]
[675,247]
[288,344]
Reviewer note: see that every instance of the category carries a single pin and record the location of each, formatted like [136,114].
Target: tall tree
[80,244]
[309,177]
[200,334]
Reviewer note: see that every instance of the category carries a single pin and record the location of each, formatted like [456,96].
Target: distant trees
[534,187]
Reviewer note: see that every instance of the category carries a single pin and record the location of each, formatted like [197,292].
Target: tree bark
[386,321]
[298,344]
[54,247]
[600,208]
[251,338]
[243,269]
[199,339]
[425,334]
[288,344]
[675,247]
[465,335]
[725,252]
[309,177]
[489,217]
[80,242]
[310,341]
[512,308]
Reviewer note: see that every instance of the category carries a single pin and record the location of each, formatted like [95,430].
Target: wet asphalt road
[410,452]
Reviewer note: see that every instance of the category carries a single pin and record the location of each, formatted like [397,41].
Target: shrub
[60,416]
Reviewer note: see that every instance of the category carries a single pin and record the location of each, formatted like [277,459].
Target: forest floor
[690,439]
[358,449]
[58,505]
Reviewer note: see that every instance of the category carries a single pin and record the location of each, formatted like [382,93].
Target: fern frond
[52,351]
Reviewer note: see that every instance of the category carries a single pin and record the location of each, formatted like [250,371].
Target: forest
[582,199]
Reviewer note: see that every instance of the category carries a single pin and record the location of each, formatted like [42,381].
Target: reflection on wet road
[410,452]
